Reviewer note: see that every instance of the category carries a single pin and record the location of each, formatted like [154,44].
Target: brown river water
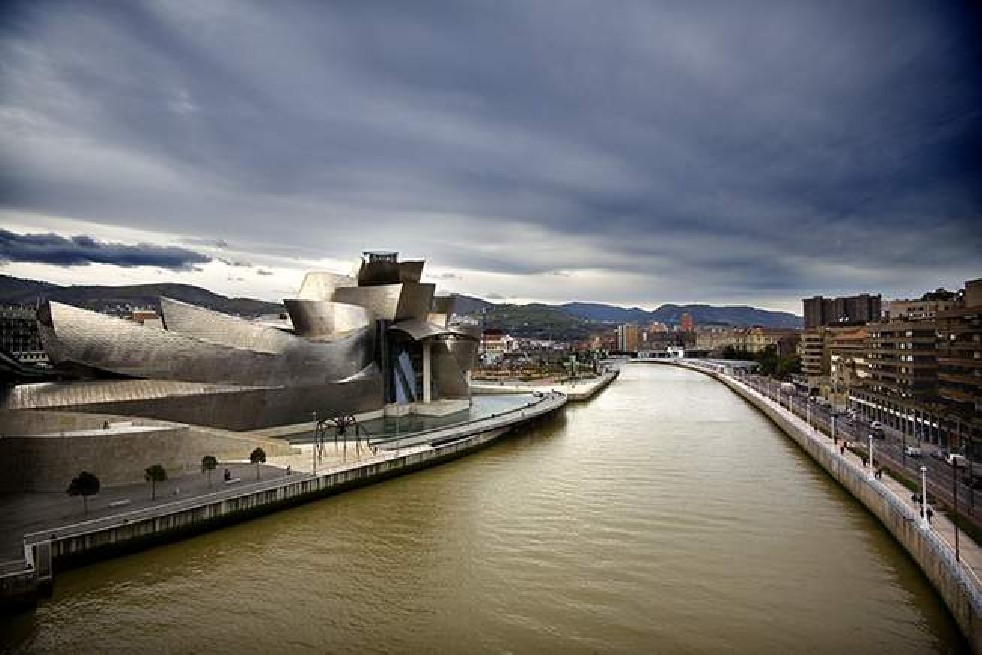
[664,516]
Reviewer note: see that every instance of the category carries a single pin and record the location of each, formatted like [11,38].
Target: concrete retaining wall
[43,450]
[958,589]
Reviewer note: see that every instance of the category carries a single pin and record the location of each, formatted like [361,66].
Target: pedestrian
[842,450]
[930,514]
[288,469]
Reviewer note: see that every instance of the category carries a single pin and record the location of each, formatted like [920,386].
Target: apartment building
[960,367]
[845,310]
[848,367]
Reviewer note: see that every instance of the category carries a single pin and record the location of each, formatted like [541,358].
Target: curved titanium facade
[208,368]
[325,319]
[320,285]
[391,302]
[222,329]
[119,346]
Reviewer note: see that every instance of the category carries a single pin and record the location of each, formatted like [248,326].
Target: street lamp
[871,473]
[924,522]
[313,451]
[954,492]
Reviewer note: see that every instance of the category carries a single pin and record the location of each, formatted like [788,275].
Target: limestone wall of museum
[42,451]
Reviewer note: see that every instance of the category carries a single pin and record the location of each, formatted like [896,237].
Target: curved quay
[94,539]
[957,584]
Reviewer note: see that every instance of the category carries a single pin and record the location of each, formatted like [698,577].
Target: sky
[632,153]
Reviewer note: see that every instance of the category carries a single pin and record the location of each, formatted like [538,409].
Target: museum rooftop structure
[376,339]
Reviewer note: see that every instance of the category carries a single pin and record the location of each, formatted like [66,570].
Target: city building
[629,338]
[848,368]
[960,368]
[927,307]
[686,324]
[815,358]
[495,345]
[19,335]
[147,317]
[846,310]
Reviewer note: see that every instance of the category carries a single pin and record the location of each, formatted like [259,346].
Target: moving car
[912,451]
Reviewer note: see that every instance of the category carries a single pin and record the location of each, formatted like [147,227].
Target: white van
[956,460]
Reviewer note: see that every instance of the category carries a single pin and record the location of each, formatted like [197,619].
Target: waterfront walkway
[969,553]
[40,514]
[575,390]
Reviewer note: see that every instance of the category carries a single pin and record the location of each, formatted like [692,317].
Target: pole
[313,452]
[871,455]
[903,453]
[808,412]
[954,492]
[835,439]
[924,522]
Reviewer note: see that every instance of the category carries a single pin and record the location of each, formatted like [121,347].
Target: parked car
[956,460]
[876,425]
[912,451]
[941,454]
[973,481]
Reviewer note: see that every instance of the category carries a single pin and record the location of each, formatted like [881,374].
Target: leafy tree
[788,365]
[257,457]
[208,464]
[155,474]
[84,484]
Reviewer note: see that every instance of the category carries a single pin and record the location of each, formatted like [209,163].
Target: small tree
[257,457]
[155,474]
[84,484]
[208,464]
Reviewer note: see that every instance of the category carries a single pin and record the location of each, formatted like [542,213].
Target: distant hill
[469,304]
[607,313]
[569,321]
[18,291]
[672,314]
[727,315]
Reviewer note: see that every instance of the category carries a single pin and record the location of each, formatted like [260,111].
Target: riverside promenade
[126,529]
[930,544]
[575,390]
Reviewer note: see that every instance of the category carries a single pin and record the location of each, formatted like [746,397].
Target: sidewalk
[22,513]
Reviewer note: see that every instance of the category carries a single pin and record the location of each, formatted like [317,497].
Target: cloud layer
[82,250]
[653,151]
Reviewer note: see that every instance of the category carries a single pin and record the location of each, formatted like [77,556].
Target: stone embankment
[576,391]
[956,582]
[64,546]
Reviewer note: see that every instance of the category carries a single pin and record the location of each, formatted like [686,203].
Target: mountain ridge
[576,317]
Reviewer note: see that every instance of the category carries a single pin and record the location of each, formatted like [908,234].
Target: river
[665,515]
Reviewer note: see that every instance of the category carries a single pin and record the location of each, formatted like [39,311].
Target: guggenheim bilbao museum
[353,344]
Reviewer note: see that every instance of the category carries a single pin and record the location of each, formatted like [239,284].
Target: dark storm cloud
[82,250]
[768,147]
